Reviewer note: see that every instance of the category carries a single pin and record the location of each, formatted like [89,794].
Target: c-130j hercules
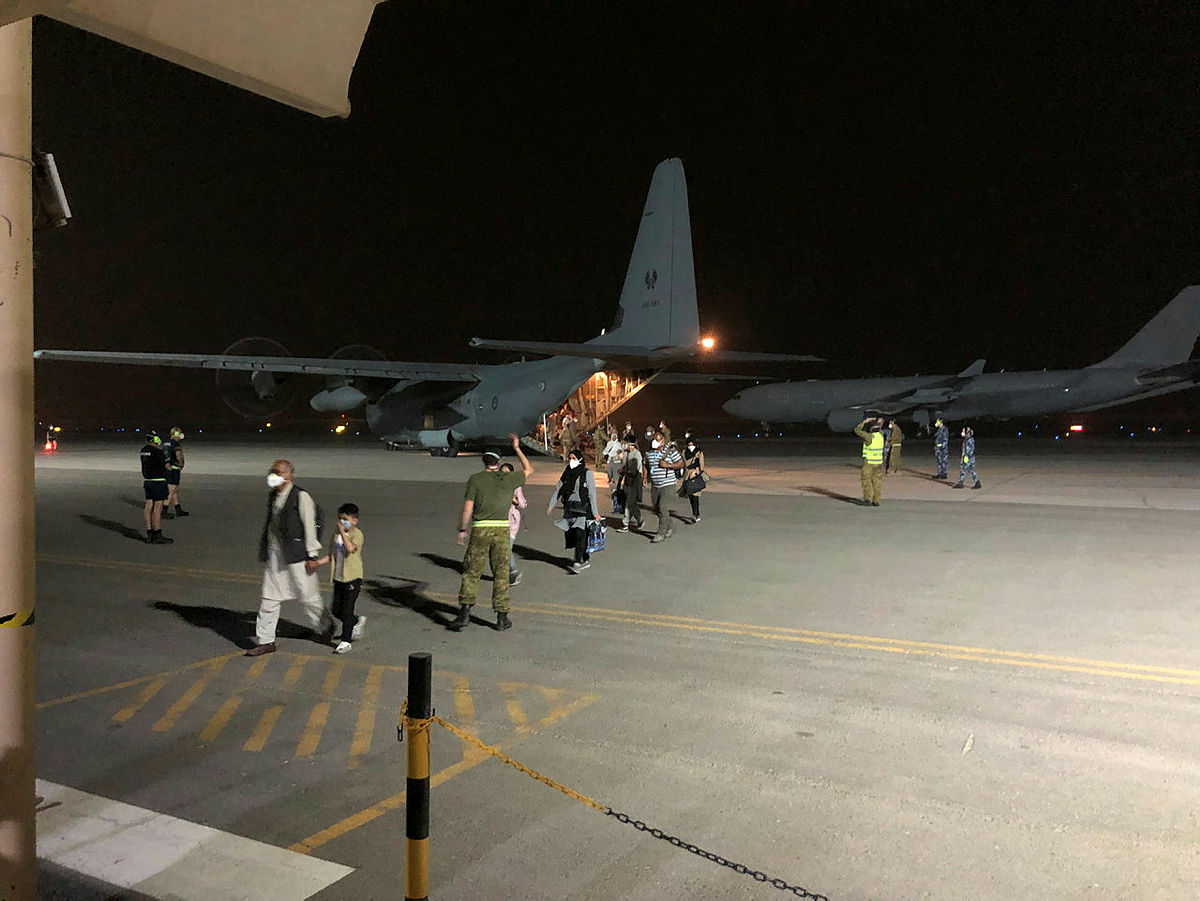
[448,406]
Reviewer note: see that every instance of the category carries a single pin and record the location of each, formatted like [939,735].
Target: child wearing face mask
[345,552]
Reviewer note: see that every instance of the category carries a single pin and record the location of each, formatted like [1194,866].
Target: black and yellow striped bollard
[416,829]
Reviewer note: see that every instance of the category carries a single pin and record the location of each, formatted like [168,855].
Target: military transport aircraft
[1154,361]
[448,406]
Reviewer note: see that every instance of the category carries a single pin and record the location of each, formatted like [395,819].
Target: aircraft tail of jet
[1166,339]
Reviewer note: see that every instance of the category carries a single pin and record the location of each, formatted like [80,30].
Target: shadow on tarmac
[832,495]
[113,526]
[133,501]
[531,553]
[235,626]
[398,591]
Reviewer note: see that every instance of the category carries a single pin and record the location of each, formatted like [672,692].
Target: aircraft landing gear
[449,449]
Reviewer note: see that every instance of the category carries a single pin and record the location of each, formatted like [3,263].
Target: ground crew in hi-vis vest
[869,430]
[941,449]
[968,460]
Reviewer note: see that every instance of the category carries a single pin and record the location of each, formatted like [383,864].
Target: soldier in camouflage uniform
[941,449]
[484,529]
[968,460]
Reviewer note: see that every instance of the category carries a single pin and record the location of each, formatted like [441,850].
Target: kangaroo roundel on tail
[658,300]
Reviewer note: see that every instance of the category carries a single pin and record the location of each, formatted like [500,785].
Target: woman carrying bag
[576,491]
[694,476]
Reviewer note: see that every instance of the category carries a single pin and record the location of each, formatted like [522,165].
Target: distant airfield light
[708,343]
[1077,428]
[58,428]
[268,425]
[341,428]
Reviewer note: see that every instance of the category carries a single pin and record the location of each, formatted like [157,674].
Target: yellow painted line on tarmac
[221,718]
[144,697]
[189,697]
[258,738]
[375,811]
[364,727]
[311,736]
[1000,657]
[130,683]
[516,711]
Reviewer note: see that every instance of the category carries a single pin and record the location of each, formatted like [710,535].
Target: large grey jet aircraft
[1154,362]
[447,406]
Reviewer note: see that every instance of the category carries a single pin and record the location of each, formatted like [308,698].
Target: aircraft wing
[640,357]
[382,369]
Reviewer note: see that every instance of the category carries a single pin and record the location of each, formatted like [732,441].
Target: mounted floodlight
[708,343]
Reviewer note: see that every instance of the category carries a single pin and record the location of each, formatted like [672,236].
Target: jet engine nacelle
[845,420]
[337,400]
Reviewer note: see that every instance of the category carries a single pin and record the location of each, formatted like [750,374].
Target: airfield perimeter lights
[1077,428]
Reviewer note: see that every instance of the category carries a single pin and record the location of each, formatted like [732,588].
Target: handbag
[705,476]
[597,534]
[694,485]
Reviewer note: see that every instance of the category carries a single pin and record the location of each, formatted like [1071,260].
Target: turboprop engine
[260,392]
[342,393]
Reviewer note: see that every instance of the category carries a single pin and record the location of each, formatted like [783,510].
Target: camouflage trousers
[967,468]
[488,544]
[872,482]
[942,456]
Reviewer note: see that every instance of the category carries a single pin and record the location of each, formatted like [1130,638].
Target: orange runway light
[1076,428]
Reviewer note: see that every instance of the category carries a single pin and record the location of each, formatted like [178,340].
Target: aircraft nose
[735,406]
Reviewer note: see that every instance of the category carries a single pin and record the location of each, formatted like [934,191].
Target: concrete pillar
[18,860]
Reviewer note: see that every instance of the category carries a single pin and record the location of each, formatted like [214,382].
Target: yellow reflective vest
[873,450]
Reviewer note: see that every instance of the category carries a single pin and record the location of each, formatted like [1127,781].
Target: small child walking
[345,552]
[514,526]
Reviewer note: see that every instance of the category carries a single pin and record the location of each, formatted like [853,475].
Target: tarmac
[959,694]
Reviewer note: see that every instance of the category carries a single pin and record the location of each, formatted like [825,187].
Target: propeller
[260,393]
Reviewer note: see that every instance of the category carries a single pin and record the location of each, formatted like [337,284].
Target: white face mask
[274,480]
[656,444]
[691,447]
[572,462]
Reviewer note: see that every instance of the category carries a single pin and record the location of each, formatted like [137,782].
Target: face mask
[274,480]
[345,524]
[691,447]
[572,462]
[656,444]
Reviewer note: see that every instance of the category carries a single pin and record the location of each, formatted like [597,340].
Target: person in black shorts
[154,480]
[173,448]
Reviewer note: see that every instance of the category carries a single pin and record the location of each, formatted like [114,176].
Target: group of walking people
[881,455]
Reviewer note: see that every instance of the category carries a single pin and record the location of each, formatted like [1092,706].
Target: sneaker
[357,632]
[342,647]
[514,578]
[623,528]
[586,564]
[670,531]
[657,538]
[695,519]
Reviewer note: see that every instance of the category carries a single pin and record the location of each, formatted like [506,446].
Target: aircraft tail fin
[658,300]
[973,370]
[1167,338]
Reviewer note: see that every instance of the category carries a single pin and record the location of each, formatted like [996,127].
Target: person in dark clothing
[576,491]
[154,482]
[693,476]
[173,448]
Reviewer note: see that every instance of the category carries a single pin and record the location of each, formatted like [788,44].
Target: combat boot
[167,514]
[159,538]
[958,485]
[502,622]
[464,619]
[977,485]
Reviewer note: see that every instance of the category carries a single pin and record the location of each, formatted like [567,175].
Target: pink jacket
[514,513]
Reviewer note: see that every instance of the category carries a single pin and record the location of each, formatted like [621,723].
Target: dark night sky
[898,187]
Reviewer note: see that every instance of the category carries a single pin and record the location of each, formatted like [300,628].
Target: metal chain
[415,725]
[756,875]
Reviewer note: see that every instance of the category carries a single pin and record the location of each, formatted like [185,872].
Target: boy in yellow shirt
[345,552]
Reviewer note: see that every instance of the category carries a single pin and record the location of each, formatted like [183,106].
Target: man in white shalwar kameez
[289,549]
